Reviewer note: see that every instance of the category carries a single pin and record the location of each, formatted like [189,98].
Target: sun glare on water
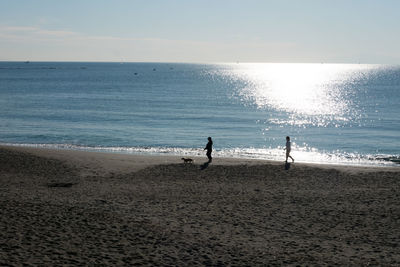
[309,93]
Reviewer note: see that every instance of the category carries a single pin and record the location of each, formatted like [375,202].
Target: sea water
[334,113]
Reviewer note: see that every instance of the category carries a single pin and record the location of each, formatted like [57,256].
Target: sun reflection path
[315,94]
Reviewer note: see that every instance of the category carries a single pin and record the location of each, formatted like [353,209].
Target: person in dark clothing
[209,149]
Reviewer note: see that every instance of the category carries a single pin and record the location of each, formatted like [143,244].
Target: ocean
[334,113]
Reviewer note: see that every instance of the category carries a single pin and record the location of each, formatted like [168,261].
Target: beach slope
[73,207]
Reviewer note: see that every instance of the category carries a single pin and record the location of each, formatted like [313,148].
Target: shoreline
[150,159]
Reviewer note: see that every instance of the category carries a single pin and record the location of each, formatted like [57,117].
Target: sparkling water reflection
[316,94]
[334,113]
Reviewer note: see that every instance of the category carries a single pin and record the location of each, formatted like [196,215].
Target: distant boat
[26,62]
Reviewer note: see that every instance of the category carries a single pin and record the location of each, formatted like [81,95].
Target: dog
[187,160]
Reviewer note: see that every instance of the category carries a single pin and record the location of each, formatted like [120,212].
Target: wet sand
[85,208]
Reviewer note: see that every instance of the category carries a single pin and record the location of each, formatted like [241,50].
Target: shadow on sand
[287,166]
[204,165]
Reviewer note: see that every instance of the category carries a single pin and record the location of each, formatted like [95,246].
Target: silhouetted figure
[288,148]
[209,149]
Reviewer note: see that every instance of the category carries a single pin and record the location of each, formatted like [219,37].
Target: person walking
[209,149]
[288,149]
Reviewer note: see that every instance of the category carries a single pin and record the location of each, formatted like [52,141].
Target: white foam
[301,154]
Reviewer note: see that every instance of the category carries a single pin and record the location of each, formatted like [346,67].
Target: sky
[206,31]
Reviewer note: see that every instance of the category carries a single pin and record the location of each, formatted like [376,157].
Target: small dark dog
[187,160]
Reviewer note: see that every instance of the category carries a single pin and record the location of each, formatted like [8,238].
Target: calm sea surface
[334,113]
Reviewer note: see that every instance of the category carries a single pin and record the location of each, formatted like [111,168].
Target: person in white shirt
[288,148]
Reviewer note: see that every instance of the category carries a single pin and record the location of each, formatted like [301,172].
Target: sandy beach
[86,208]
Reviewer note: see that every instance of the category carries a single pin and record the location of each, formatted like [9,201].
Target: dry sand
[83,208]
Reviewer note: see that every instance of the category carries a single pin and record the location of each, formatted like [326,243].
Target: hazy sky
[343,31]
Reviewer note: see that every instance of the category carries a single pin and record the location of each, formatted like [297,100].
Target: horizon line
[188,62]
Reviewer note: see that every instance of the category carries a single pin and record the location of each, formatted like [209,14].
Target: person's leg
[287,155]
[209,156]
